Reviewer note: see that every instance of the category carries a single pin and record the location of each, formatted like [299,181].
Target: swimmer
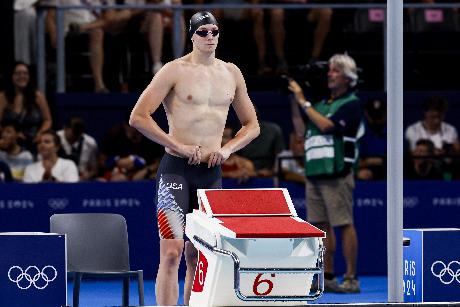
[196,91]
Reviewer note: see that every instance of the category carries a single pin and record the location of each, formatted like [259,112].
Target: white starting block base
[260,258]
[258,255]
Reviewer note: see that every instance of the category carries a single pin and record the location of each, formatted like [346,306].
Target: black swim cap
[199,19]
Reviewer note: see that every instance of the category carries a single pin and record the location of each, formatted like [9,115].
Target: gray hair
[347,65]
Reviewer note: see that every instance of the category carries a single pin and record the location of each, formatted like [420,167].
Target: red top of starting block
[270,227]
[248,202]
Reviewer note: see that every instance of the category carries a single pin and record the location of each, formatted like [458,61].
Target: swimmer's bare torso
[198,104]
[196,96]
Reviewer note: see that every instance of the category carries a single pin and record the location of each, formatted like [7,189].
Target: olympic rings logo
[32,276]
[451,271]
[410,202]
[58,203]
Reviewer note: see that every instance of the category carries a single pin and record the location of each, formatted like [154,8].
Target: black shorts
[176,186]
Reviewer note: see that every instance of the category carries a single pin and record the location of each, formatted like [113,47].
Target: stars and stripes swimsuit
[176,185]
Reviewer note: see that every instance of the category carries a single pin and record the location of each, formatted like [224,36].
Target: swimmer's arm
[246,114]
[148,103]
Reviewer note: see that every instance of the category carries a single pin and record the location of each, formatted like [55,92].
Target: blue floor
[108,293]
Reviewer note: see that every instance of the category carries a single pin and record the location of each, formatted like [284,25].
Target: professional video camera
[312,77]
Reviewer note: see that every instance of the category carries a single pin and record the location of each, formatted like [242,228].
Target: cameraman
[332,131]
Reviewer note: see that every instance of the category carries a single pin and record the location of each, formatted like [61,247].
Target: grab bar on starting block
[319,270]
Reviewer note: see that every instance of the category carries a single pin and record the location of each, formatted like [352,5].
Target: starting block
[253,250]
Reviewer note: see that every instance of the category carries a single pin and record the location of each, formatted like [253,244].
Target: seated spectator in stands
[277,33]
[123,168]
[151,23]
[262,151]
[23,103]
[149,172]
[236,166]
[321,17]
[124,152]
[292,160]
[257,16]
[432,127]
[11,152]
[5,173]
[25,27]
[79,147]
[373,144]
[423,166]
[51,168]
[96,36]
[160,20]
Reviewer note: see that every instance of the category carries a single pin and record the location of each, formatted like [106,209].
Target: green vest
[325,153]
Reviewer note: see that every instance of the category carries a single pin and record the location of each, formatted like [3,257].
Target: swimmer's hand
[218,157]
[192,152]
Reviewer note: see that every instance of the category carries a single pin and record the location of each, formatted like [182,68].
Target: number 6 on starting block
[253,249]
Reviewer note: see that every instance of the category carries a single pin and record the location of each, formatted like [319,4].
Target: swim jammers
[176,186]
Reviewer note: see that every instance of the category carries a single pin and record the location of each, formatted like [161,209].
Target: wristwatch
[306,104]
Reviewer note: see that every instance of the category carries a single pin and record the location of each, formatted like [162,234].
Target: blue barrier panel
[432,265]
[412,265]
[28,208]
[32,270]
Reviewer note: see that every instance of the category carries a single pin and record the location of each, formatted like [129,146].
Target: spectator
[51,168]
[152,23]
[22,102]
[373,145]
[5,173]
[432,127]
[321,17]
[423,166]
[96,36]
[257,16]
[278,36]
[11,152]
[236,166]
[292,160]
[262,151]
[156,36]
[79,147]
[333,130]
[125,152]
[25,25]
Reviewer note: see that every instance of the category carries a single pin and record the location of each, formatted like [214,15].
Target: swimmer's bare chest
[198,105]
